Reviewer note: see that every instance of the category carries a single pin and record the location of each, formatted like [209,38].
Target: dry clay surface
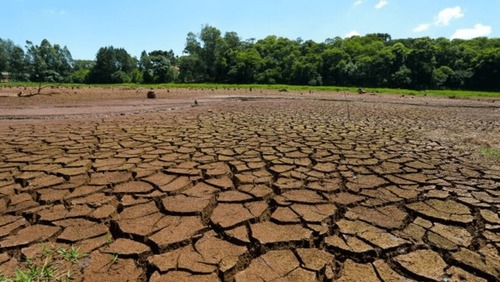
[251,186]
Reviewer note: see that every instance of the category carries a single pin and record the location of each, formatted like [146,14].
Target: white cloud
[358,2]
[381,4]
[445,16]
[422,27]
[478,30]
[351,34]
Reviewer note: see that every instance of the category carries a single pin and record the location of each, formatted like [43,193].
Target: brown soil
[250,185]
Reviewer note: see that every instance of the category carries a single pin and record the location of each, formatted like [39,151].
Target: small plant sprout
[34,272]
[69,275]
[109,238]
[46,251]
[114,259]
[72,254]
[49,265]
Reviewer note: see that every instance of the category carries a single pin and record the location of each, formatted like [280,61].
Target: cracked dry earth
[258,190]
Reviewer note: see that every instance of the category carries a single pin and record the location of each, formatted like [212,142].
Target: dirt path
[252,186]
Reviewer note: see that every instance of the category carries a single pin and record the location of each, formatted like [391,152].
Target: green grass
[441,93]
[114,258]
[72,254]
[48,266]
[109,239]
[490,152]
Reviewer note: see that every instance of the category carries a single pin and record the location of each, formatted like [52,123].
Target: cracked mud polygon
[252,185]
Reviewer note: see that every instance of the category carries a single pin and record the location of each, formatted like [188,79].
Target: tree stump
[151,95]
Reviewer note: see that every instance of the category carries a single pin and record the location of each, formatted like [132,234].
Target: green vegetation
[373,61]
[301,88]
[109,239]
[72,255]
[114,258]
[490,152]
[48,266]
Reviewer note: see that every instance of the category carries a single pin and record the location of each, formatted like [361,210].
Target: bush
[120,77]
[80,76]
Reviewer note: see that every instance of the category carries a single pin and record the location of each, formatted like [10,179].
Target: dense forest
[374,60]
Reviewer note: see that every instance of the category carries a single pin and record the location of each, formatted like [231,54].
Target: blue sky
[86,25]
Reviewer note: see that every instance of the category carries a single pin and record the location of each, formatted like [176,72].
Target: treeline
[374,60]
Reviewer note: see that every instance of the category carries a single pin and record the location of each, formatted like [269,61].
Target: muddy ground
[250,185]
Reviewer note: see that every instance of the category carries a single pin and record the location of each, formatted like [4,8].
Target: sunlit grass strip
[490,152]
[305,88]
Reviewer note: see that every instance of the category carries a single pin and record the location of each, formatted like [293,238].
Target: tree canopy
[373,60]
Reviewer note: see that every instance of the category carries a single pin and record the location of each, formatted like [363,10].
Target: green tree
[18,65]
[306,70]
[192,66]
[5,47]
[191,69]
[401,78]
[278,56]
[112,65]
[81,70]
[246,66]
[13,60]
[421,61]
[206,60]
[331,70]
[487,70]
[158,66]
[145,68]
[232,40]
[212,53]
[441,76]
[271,71]
[47,62]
